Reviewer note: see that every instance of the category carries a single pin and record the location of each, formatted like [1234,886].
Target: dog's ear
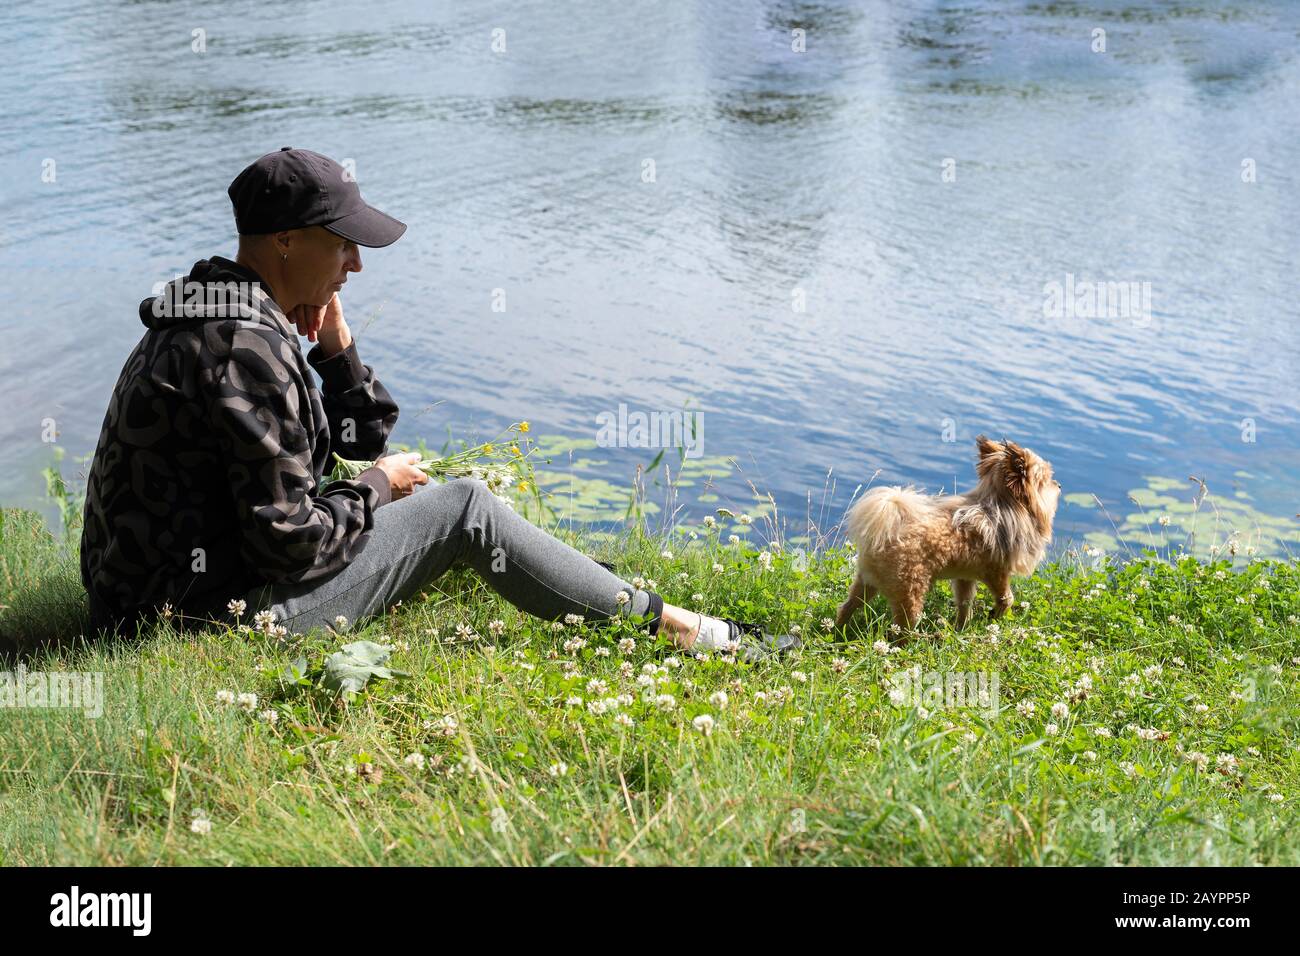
[1017,471]
[990,454]
[1024,475]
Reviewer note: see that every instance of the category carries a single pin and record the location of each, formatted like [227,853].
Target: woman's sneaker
[756,644]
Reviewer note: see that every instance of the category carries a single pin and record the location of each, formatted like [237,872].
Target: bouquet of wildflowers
[502,464]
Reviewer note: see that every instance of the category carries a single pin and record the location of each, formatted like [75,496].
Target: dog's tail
[879,515]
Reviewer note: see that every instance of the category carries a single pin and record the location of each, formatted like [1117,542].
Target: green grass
[809,760]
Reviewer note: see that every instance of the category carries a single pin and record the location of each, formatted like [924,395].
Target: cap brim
[369,227]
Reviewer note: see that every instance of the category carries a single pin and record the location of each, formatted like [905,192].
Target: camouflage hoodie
[206,479]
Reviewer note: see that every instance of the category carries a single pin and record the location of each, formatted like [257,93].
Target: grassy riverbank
[1174,683]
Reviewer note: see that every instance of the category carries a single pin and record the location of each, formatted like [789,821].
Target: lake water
[840,260]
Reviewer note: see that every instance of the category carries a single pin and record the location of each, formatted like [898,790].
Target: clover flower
[416,760]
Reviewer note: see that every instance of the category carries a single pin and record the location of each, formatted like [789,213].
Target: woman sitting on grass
[203,500]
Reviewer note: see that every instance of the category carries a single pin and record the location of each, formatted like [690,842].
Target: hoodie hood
[216,288]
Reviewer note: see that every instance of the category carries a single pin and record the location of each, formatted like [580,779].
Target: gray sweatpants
[416,538]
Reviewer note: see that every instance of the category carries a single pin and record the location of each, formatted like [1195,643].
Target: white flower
[1025,708]
[733,539]
[1130,770]
[1090,755]
[621,598]
[745,519]
[704,724]
[573,702]
[828,624]
[638,583]
[765,560]
[666,555]
[248,702]
[573,618]
[626,646]
[270,716]
[666,702]
[718,699]
[1149,733]
[597,706]
[237,606]
[200,824]
[1195,756]
[263,620]
[1102,731]
[697,597]
[496,628]
[623,719]
[559,769]
[839,665]
[225,697]
[341,623]
[1051,730]
[447,726]
[415,760]
[597,686]
[1200,708]
[1276,797]
[710,521]
[718,569]
[672,662]
[799,677]
[1227,763]
[1164,521]
[1060,710]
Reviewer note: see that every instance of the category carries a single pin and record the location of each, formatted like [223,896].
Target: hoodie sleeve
[360,411]
[289,534]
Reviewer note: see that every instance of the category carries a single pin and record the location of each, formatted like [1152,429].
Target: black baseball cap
[295,188]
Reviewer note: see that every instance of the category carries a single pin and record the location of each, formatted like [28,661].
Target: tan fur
[906,541]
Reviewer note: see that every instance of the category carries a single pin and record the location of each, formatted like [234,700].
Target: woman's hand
[403,475]
[324,324]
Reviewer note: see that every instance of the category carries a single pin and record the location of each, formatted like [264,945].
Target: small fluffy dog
[907,540]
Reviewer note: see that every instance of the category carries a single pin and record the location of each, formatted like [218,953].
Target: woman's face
[319,263]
